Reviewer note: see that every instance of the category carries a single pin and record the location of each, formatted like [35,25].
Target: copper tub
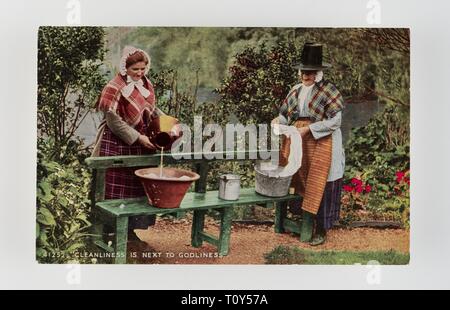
[169,190]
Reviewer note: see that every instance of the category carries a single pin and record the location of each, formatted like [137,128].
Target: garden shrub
[377,154]
[62,207]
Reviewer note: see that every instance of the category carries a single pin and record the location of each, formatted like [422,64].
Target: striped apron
[311,179]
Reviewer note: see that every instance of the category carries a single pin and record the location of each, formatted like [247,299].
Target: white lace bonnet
[319,75]
[127,52]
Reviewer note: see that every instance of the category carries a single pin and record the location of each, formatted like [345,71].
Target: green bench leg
[198,223]
[307,227]
[202,169]
[121,240]
[97,228]
[280,215]
[97,232]
[225,230]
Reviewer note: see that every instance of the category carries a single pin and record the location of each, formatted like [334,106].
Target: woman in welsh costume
[128,105]
[315,106]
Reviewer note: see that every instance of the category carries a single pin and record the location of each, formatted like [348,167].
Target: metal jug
[229,187]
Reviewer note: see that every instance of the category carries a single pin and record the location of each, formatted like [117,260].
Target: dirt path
[168,242]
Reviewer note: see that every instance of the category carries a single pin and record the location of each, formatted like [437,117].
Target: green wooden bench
[116,212]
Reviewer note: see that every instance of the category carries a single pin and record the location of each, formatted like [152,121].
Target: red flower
[347,188]
[356,182]
[408,181]
[368,188]
[400,175]
[358,188]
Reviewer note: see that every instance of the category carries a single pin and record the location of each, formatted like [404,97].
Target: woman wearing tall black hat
[315,106]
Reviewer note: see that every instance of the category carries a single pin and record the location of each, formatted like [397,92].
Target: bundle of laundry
[294,162]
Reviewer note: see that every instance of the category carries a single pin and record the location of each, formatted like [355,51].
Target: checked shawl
[134,106]
[325,102]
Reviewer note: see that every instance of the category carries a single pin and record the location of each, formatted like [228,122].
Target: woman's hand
[303,131]
[145,142]
[176,130]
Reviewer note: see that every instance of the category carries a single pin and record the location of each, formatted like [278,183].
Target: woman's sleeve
[282,120]
[326,127]
[120,128]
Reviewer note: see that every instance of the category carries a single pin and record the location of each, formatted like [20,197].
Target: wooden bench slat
[192,201]
[99,181]
[154,159]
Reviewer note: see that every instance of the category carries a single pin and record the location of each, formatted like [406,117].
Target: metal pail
[229,187]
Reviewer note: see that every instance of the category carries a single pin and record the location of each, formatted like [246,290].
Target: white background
[430,107]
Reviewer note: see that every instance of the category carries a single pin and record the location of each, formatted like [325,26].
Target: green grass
[291,255]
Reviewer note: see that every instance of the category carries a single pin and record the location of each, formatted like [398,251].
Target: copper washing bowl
[169,190]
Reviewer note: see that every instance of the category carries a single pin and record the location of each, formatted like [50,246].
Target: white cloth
[295,153]
[321,129]
[319,75]
[305,91]
[139,84]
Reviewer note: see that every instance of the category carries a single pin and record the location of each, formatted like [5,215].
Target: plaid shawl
[135,106]
[325,102]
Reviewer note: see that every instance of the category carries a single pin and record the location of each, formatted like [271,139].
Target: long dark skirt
[330,206]
[121,183]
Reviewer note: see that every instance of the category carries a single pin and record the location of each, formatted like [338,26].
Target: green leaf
[383,187]
[45,187]
[74,227]
[45,193]
[40,252]
[45,217]
[38,229]
[52,166]
[63,201]
[82,217]
[74,247]
[43,238]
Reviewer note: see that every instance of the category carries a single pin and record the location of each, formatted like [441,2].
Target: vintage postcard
[205,145]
